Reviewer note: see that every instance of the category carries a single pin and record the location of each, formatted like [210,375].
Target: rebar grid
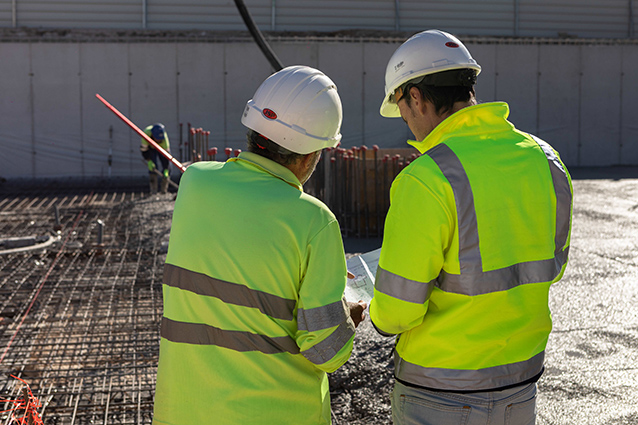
[79,321]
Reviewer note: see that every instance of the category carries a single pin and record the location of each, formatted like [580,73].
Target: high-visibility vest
[254,314]
[164,144]
[478,229]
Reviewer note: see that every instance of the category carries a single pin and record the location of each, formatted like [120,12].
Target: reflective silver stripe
[329,347]
[503,279]
[532,271]
[201,334]
[376,328]
[232,293]
[404,289]
[472,279]
[451,167]
[468,380]
[563,193]
[325,317]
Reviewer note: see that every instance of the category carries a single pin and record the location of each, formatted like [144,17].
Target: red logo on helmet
[451,44]
[269,113]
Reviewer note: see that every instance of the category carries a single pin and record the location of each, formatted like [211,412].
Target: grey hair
[267,148]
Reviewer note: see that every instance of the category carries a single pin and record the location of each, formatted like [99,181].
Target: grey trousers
[415,406]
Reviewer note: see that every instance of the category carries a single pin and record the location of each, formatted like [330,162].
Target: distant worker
[477,232]
[254,307]
[154,159]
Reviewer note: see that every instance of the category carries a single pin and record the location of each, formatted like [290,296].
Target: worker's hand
[351,275]
[151,165]
[357,311]
[166,173]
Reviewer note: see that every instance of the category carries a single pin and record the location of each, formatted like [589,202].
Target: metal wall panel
[542,18]
[6,14]
[79,13]
[600,105]
[153,87]
[246,69]
[57,115]
[558,109]
[105,71]
[580,18]
[347,73]
[201,92]
[629,105]
[202,14]
[495,17]
[16,158]
[377,130]
[297,53]
[485,55]
[332,15]
[517,82]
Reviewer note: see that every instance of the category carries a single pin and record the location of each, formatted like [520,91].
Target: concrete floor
[592,355]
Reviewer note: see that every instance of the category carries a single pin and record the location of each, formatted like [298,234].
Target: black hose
[258,36]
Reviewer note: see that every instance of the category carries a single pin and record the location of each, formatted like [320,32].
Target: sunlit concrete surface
[592,355]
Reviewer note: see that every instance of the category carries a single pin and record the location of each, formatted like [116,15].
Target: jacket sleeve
[325,330]
[418,233]
[145,148]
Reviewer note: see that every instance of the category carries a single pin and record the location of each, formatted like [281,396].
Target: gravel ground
[360,389]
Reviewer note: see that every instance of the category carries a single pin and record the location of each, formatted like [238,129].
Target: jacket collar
[485,117]
[269,166]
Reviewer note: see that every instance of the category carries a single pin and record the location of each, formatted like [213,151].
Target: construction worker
[478,230]
[154,159]
[254,313]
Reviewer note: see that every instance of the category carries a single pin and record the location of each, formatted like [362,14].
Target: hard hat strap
[456,77]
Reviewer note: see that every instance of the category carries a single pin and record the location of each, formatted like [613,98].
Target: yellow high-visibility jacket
[254,314]
[478,230]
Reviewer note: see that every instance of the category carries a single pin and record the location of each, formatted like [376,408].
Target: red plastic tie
[25,409]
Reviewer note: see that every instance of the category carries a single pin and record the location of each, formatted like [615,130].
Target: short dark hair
[440,90]
[265,147]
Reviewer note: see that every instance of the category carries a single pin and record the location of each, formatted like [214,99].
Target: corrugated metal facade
[607,18]
[118,14]
[540,18]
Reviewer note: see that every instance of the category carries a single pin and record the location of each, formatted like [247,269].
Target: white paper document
[364,268]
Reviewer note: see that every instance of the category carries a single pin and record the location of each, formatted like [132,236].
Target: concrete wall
[581,98]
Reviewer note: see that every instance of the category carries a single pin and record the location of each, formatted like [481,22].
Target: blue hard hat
[157,132]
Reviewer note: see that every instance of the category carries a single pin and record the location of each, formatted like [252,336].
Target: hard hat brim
[389,110]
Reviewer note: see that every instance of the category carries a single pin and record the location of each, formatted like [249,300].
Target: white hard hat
[297,108]
[425,53]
